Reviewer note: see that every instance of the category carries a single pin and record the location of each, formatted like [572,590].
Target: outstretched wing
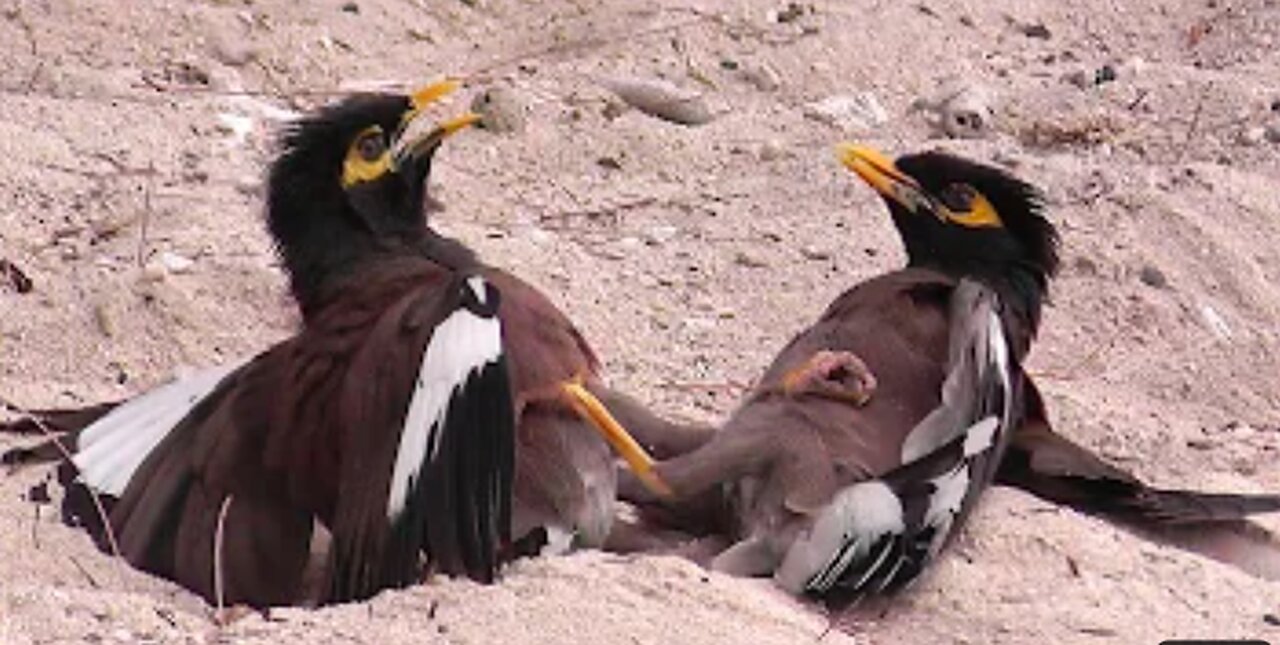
[879,534]
[437,493]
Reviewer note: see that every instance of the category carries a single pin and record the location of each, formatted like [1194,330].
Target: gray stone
[501,108]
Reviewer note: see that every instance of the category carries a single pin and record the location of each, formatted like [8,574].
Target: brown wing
[308,431]
[427,415]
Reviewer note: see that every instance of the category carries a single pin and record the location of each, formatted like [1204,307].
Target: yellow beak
[423,97]
[883,175]
[412,146]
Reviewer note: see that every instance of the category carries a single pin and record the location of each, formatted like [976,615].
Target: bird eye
[958,197]
[371,146]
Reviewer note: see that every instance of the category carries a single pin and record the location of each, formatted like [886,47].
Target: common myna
[418,421]
[866,443]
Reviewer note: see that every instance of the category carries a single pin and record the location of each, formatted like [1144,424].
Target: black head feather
[1029,238]
[323,229]
[1018,256]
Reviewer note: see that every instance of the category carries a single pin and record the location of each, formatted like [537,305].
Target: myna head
[351,180]
[961,217]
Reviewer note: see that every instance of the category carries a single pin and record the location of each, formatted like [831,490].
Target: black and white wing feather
[446,502]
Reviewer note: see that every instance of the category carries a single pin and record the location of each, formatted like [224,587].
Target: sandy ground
[132,143]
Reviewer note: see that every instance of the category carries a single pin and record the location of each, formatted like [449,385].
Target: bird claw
[838,375]
[226,616]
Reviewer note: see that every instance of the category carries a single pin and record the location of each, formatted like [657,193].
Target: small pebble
[1271,619]
[1273,133]
[1086,265]
[1131,67]
[770,150]
[1153,277]
[153,272]
[609,163]
[351,7]
[1253,136]
[1037,30]
[746,259]
[248,185]
[660,234]
[815,253]
[790,13]
[174,263]
[232,51]
[501,109]
[762,75]
[1105,74]
[14,277]
[104,320]
[1079,78]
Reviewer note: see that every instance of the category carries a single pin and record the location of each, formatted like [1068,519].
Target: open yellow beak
[423,97]
[426,140]
[883,175]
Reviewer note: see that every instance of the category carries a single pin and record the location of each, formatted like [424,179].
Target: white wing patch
[109,451]
[980,436]
[462,344]
[845,530]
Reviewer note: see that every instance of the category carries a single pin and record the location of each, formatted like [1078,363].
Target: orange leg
[593,411]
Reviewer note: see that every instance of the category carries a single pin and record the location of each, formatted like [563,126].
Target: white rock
[1215,322]
[237,125]
[770,150]
[1130,67]
[174,263]
[661,234]
[849,112]
[1253,136]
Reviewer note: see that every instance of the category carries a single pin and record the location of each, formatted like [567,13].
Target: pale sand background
[688,267]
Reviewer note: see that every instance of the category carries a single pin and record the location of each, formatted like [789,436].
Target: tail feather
[1051,466]
[1184,506]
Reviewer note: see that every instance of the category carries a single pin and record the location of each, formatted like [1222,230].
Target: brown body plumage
[284,479]
[865,444]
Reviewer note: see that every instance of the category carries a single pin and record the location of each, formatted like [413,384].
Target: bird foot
[226,616]
[837,375]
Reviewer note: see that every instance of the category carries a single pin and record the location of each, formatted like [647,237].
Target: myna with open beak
[867,442]
[417,422]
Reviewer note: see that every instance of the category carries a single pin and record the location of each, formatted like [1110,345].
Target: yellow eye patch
[976,212]
[368,157]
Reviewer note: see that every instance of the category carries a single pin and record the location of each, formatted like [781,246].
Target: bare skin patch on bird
[367,158]
[978,213]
